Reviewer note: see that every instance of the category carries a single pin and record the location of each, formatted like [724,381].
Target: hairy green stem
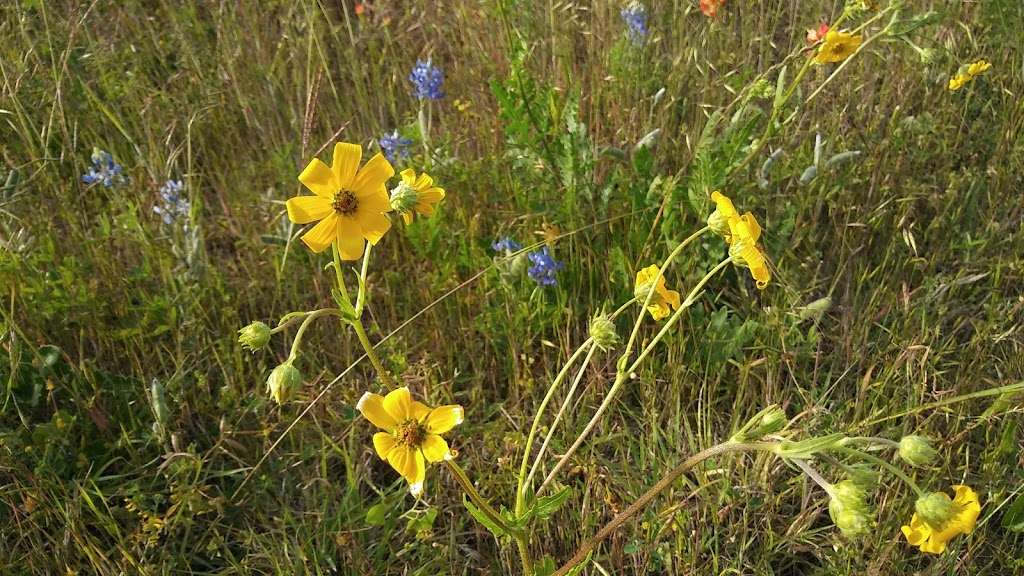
[884,464]
[356,322]
[588,546]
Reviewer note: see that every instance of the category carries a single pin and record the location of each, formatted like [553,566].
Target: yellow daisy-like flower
[415,194]
[967,73]
[349,202]
[723,214]
[663,301]
[957,82]
[838,46]
[411,432]
[978,68]
[950,519]
[745,232]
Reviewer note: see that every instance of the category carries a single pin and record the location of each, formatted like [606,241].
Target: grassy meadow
[137,435]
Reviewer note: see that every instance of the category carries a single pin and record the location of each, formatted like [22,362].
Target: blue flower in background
[174,203]
[635,17]
[394,146]
[544,267]
[104,170]
[506,244]
[427,80]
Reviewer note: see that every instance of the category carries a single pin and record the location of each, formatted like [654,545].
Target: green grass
[917,242]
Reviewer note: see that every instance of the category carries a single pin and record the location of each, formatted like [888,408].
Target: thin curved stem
[620,377]
[587,547]
[356,322]
[884,464]
[293,353]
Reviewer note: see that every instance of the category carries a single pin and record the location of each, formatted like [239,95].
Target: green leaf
[1013,520]
[548,505]
[377,514]
[482,518]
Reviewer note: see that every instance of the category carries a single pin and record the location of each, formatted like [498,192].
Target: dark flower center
[345,203]
[409,433]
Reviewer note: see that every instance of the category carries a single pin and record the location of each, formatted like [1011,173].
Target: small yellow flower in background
[838,46]
[724,212]
[663,301]
[349,202]
[938,519]
[745,232]
[978,68]
[415,194]
[411,432]
[967,73]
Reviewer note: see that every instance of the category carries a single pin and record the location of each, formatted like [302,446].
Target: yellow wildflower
[745,232]
[663,301]
[349,204]
[838,46]
[938,519]
[724,212]
[411,432]
[415,195]
[967,73]
[978,68]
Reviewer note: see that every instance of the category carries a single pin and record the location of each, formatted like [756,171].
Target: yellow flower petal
[345,162]
[372,176]
[383,442]
[371,406]
[398,404]
[409,177]
[376,203]
[306,209]
[423,182]
[444,418]
[323,234]
[375,226]
[435,449]
[417,473]
[350,239]
[724,205]
[319,178]
[419,411]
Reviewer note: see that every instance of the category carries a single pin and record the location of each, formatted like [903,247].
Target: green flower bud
[283,382]
[602,330]
[768,421]
[935,508]
[917,451]
[719,224]
[254,336]
[815,309]
[404,198]
[849,509]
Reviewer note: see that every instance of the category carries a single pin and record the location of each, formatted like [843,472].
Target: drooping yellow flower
[939,519]
[663,300]
[745,232]
[415,195]
[411,432]
[838,46]
[978,68]
[967,73]
[957,82]
[349,202]
[724,212]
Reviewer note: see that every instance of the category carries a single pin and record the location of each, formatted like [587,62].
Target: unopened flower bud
[849,509]
[935,508]
[768,421]
[602,330]
[283,382]
[404,198]
[254,336]
[917,451]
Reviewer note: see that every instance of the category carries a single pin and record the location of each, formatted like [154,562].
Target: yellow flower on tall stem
[744,233]
[349,203]
[415,195]
[663,301]
[411,432]
[939,519]
[838,46]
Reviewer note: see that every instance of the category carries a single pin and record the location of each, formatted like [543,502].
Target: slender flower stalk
[623,373]
[356,321]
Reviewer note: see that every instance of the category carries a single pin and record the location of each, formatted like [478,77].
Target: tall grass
[917,243]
